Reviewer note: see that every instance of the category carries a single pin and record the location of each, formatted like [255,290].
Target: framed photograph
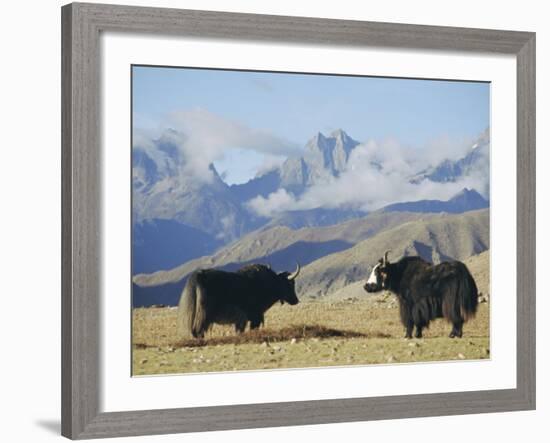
[273,221]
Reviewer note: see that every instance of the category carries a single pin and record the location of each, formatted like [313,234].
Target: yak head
[286,287]
[378,279]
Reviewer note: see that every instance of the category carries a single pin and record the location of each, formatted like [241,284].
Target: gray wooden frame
[81,166]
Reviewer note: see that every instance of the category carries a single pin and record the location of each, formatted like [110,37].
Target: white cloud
[278,201]
[269,163]
[378,172]
[202,137]
[378,175]
[442,148]
[208,135]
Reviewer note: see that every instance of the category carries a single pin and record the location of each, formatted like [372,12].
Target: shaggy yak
[213,296]
[426,291]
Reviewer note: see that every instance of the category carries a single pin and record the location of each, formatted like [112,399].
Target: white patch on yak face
[373,279]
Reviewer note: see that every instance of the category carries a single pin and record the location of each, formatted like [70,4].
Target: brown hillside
[284,245]
[446,237]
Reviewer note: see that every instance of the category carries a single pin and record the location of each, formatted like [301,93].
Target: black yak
[425,291]
[214,296]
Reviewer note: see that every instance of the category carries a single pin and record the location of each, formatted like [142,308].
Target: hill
[442,238]
[278,246]
[282,246]
[164,244]
[465,200]
[168,185]
[334,256]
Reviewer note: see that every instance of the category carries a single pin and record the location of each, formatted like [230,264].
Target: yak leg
[256,322]
[405,312]
[199,333]
[418,333]
[240,321]
[240,326]
[409,331]
[457,329]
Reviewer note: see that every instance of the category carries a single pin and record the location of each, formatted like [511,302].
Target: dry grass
[313,334]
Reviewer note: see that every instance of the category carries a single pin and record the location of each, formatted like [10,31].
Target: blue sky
[294,107]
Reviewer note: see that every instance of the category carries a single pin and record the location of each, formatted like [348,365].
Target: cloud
[378,175]
[278,201]
[269,163]
[443,148]
[208,135]
[202,137]
[228,222]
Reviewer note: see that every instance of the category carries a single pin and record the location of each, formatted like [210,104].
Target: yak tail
[192,310]
[467,294]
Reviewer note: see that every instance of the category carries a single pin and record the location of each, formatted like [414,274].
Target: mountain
[440,238]
[473,163]
[278,246]
[324,157]
[465,200]
[164,244]
[209,210]
[316,217]
[163,189]
[208,213]
[262,185]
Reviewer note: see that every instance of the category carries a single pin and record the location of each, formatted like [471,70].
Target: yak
[215,296]
[427,291]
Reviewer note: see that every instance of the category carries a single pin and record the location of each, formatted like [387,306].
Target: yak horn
[296,273]
[385,262]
